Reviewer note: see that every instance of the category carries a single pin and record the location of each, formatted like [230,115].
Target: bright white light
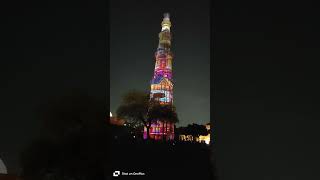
[3,169]
[110,114]
[164,27]
[207,141]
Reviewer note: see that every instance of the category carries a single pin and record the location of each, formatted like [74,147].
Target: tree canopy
[196,130]
[134,108]
[137,108]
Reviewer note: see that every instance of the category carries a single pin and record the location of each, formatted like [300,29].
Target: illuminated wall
[201,139]
[160,129]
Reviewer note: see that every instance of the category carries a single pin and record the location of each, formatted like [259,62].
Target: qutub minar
[161,83]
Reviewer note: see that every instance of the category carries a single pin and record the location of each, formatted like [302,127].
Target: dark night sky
[134,28]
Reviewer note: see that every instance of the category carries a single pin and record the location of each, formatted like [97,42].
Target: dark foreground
[95,156]
[162,160]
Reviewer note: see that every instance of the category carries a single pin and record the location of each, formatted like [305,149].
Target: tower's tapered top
[166,15]
[166,24]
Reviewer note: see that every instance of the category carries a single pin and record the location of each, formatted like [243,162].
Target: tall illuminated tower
[161,83]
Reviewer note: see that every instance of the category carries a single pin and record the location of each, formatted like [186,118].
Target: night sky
[134,28]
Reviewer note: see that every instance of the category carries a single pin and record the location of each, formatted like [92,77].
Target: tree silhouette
[134,109]
[165,113]
[196,130]
[137,107]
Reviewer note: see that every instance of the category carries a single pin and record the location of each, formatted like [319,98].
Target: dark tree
[165,113]
[137,108]
[180,131]
[196,130]
[134,109]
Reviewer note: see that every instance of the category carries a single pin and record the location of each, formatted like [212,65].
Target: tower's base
[160,131]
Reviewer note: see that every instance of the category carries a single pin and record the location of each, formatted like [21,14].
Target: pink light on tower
[161,82]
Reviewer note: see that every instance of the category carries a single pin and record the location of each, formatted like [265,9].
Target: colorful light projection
[167,98]
[161,82]
[160,129]
[163,66]
[162,86]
